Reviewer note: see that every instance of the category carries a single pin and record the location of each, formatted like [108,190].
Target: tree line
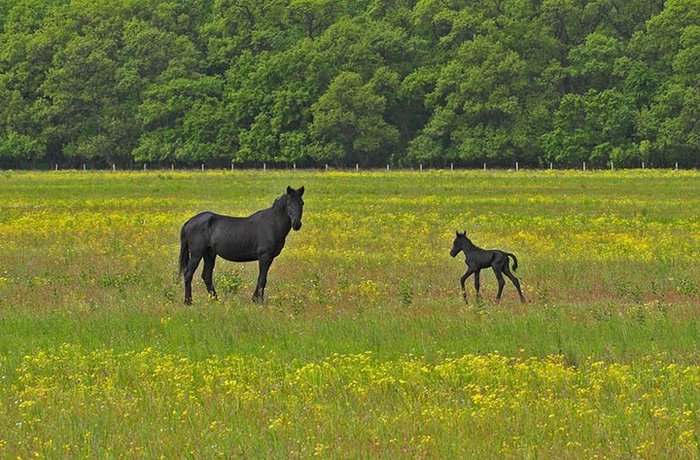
[373,82]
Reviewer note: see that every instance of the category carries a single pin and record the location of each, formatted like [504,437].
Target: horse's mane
[280,201]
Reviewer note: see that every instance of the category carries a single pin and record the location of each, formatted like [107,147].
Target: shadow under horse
[260,237]
[478,259]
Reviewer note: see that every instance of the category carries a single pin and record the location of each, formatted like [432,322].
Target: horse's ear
[290,190]
[457,232]
[301,191]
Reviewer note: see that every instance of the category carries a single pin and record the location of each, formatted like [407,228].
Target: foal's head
[295,206]
[461,243]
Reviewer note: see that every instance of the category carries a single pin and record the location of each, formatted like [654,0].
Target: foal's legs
[264,264]
[477,285]
[463,279]
[501,282]
[515,281]
[195,257]
[208,272]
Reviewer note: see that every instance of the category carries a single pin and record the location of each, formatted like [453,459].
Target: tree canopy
[349,81]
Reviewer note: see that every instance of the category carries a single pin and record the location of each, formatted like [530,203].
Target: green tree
[596,127]
[349,124]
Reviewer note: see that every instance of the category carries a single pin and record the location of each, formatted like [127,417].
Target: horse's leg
[515,281]
[195,257]
[477,285]
[208,272]
[501,282]
[463,279]
[264,264]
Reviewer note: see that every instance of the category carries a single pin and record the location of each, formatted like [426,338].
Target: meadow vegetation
[364,347]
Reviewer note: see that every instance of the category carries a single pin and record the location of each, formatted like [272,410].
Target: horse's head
[295,206]
[460,243]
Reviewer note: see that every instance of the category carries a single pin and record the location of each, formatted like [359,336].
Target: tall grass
[349,356]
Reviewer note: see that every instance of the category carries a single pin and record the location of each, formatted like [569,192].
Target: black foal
[478,258]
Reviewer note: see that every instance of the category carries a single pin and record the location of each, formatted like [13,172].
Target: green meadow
[364,347]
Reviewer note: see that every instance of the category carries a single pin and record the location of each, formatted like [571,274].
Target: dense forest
[341,82]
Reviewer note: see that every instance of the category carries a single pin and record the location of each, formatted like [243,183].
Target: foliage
[342,82]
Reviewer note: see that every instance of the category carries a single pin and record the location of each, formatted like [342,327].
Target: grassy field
[364,347]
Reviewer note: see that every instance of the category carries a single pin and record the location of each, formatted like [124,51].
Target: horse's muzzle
[453,253]
[296,225]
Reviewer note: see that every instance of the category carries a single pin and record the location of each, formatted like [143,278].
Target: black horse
[478,258]
[239,239]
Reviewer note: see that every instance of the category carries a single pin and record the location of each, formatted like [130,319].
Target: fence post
[144,166]
[264,166]
[114,167]
[452,166]
[357,167]
[516,166]
[294,166]
[202,166]
[584,165]
[676,166]
[326,167]
[642,165]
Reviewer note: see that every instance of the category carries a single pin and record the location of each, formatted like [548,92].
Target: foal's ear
[290,190]
[301,191]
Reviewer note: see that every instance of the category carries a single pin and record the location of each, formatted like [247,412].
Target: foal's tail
[184,250]
[515,260]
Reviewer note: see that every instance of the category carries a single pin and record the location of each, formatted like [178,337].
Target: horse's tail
[515,260]
[184,250]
